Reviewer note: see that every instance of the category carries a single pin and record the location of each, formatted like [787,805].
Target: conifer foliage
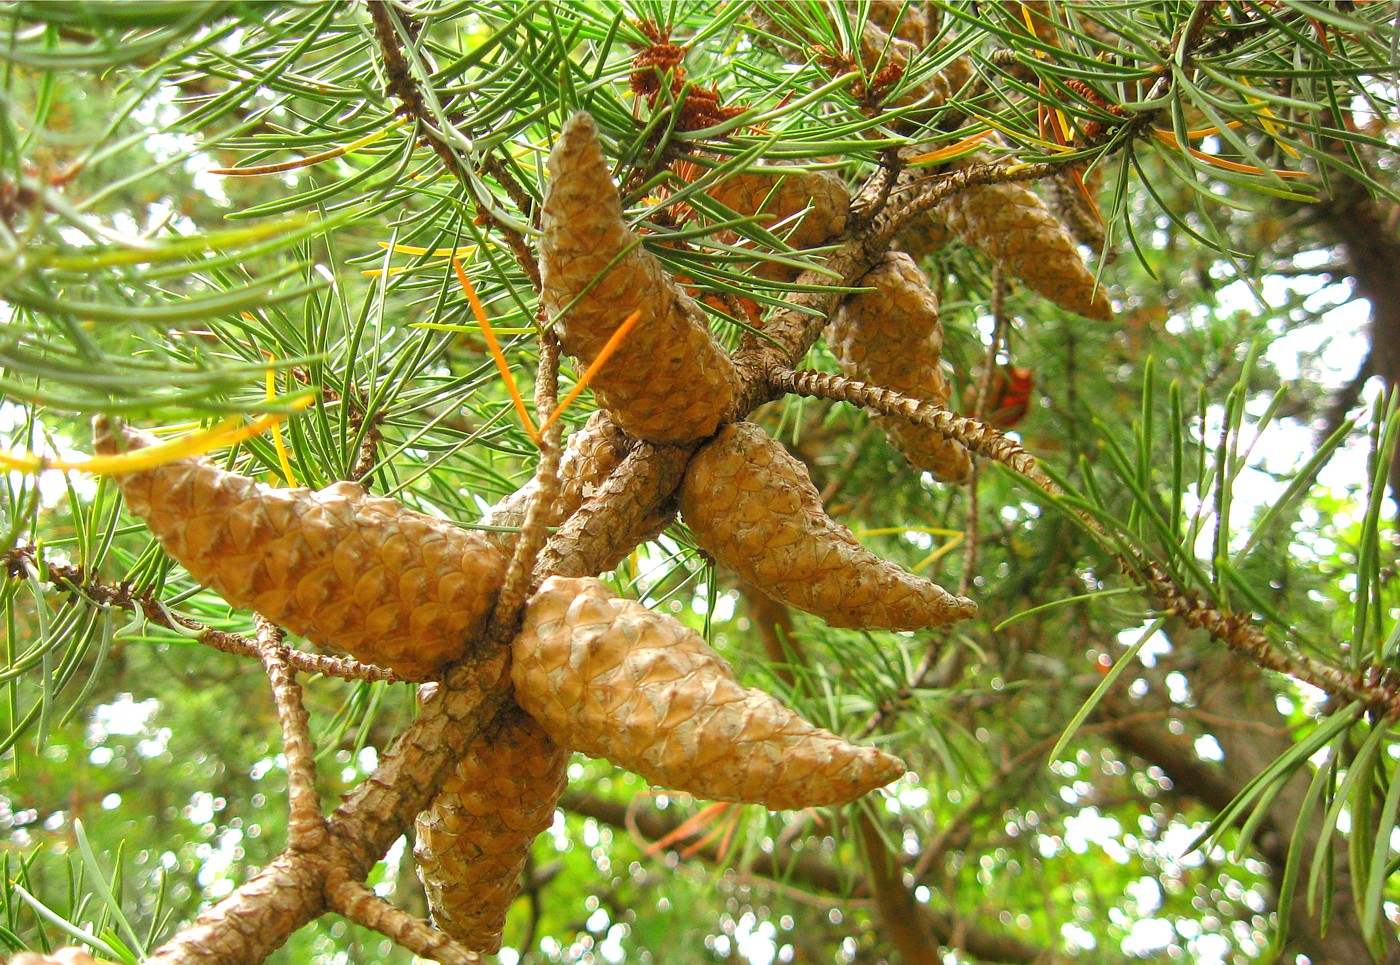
[502,361]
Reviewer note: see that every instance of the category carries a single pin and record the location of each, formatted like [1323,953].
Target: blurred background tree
[211,209]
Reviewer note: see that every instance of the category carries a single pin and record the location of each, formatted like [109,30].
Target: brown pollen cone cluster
[344,569]
[892,336]
[669,382]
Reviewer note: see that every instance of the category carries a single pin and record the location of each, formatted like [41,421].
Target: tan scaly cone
[892,337]
[1013,227]
[641,689]
[778,196]
[670,381]
[344,569]
[590,456]
[753,508]
[472,843]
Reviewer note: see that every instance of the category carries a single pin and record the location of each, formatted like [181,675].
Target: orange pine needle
[608,348]
[1087,195]
[952,150]
[497,355]
[1167,137]
[689,826]
[723,829]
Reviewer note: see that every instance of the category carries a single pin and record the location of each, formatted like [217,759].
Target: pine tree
[430,304]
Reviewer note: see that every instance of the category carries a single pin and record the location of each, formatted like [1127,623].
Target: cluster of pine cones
[593,672]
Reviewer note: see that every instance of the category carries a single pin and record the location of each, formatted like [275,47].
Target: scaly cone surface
[472,843]
[670,381]
[892,337]
[779,195]
[344,569]
[1012,226]
[590,456]
[614,679]
[753,507]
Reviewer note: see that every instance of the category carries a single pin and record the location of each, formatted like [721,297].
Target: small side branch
[306,826]
[362,906]
[534,531]
[976,436]
[401,85]
[1378,687]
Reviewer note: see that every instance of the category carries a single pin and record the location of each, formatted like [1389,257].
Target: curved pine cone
[892,337]
[1013,227]
[670,381]
[753,507]
[340,567]
[472,843]
[614,679]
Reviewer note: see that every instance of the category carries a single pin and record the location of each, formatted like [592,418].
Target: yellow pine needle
[1167,137]
[1267,119]
[611,346]
[892,530]
[277,443]
[952,150]
[496,354]
[939,553]
[435,252]
[335,152]
[226,433]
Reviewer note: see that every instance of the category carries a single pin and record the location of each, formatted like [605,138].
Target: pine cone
[884,14]
[617,680]
[1014,228]
[753,507]
[590,456]
[344,569]
[779,195]
[670,381]
[892,337]
[472,843]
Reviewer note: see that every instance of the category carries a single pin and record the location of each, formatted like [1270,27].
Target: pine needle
[305,162]
[499,356]
[226,433]
[609,347]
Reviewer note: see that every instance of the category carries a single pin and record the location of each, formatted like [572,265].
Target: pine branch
[362,906]
[306,828]
[1377,686]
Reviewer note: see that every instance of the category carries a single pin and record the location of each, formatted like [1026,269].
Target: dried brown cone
[590,456]
[669,381]
[778,196]
[753,507]
[892,336]
[344,569]
[617,680]
[472,843]
[1015,229]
